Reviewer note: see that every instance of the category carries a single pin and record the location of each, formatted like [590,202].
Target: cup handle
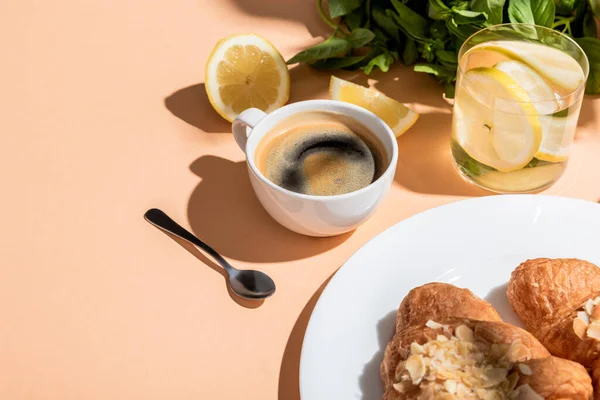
[244,123]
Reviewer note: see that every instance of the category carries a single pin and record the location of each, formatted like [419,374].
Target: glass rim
[561,34]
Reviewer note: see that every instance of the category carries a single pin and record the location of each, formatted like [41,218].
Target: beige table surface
[104,115]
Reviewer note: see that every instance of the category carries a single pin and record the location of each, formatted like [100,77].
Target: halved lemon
[245,71]
[556,66]
[399,117]
[499,127]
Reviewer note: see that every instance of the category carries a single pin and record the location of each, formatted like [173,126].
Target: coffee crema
[321,153]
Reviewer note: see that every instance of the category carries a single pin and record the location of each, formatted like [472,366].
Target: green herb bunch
[374,34]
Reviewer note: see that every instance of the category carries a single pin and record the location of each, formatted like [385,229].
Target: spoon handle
[161,220]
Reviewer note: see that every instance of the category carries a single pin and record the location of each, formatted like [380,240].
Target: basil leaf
[447,56]
[460,5]
[332,47]
[589,26]
[539,12]
[462,17]
[411,23]
[383,61]
[437,70]
[449,90]
[338,63]
[595,7]
[360,37]
[419,6]
[470,166]
[462,32]
[337,8]
[492,8]
[381,38]
[438,30]
[410,54]
[438,10]
[520,11]
[564,7]
[536,162]
[581,9]
[561,114]
[427,51]
[591,46]
[354,19]
[386,23]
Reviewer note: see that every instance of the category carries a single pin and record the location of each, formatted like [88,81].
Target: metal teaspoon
[249,284]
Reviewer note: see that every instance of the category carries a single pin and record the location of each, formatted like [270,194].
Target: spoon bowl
[251,284]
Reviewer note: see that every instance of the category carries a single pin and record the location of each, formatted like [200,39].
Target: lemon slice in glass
[399,117]
[558,135]
[498,128]
[557,132]
[540,93]
[556,66]
[246,71]
[523,180]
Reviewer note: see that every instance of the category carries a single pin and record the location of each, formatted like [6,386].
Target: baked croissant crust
[449,344]
[556,299]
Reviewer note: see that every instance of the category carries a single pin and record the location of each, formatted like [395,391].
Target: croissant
[557,300]
[449,344]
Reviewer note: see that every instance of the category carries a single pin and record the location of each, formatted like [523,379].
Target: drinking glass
[518,95]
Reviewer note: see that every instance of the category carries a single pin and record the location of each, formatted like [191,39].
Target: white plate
[474,244]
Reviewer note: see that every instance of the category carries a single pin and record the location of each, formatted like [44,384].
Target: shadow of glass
[224,211]
[370,380]
[289,372]
[497,298]
[587,125]
[302,11]
[425,163]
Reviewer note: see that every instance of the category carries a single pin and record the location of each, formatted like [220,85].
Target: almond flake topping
[455,365]
[525,370]
[587,321]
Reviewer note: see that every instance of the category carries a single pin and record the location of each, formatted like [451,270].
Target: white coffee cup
[307,214]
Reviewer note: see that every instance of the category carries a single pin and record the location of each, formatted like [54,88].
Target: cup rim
[351,107]
[490,28]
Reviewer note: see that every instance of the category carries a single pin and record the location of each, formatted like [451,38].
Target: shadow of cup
[224,211]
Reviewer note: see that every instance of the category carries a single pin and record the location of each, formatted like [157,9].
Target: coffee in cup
[326,171]
[321,153]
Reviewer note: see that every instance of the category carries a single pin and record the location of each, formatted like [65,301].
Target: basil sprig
[374,34]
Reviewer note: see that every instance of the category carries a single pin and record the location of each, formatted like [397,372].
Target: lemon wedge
[556,66]
[245,71]
[499,128]
[398,117]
